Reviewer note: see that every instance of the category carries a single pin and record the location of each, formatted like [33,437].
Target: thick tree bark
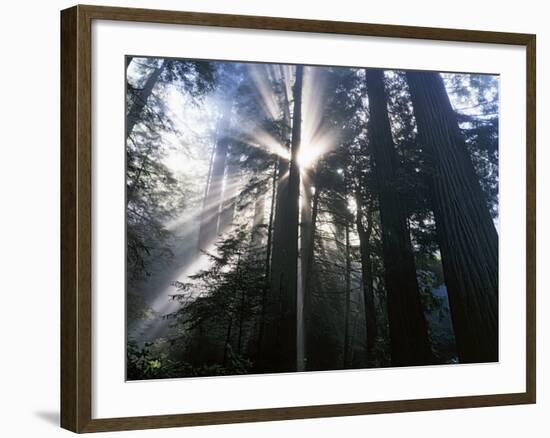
[282,192]
[467,235]
[365,233]
[134,113]
[281,327]
[408,331]
[271,307]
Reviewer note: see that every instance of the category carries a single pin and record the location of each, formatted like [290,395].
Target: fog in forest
[285,218]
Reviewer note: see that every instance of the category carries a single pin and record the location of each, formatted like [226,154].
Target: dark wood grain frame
[76,218]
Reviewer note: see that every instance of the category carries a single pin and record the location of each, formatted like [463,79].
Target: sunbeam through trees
[285,218]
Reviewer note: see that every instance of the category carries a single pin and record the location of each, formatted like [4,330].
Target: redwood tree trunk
[408,331]
[280,337]
[283,167]
[467,235]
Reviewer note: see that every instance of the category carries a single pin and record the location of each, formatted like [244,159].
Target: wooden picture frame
[76,217]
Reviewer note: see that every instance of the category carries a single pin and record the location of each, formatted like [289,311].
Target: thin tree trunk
[365,233]
[309,241]
[141,99]
[267,260]
[229,196]
[408,330]
[348,299]
[305,233]
[135,183]
[307,254]
[270,225]
[214,196]
[133,116]
[258,221]
[241,321]
[467,236]
[209,175]
[227,345]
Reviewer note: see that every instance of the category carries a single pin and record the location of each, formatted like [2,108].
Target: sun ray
[317,139]
[260,77]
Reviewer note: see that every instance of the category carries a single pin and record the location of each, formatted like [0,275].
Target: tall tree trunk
[304,233]
[137,106]
[241,321]
[270,224]
[347,307]
[308,217]
[365,233]
[271,307]
[281,336]
[282,192]
[408,331]
[308,240]
[267,271]
[307,245]
[227,345]
[467,236]
[214,195]
[229,197]
[258,221]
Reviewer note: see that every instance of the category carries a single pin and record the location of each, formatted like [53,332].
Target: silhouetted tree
[466,232]
[408,331]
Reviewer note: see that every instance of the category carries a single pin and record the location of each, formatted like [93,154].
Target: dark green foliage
[226,295]
[144,364]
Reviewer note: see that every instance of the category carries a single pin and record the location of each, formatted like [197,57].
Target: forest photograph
[294,218]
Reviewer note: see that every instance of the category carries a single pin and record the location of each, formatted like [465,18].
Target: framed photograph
[268,218]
